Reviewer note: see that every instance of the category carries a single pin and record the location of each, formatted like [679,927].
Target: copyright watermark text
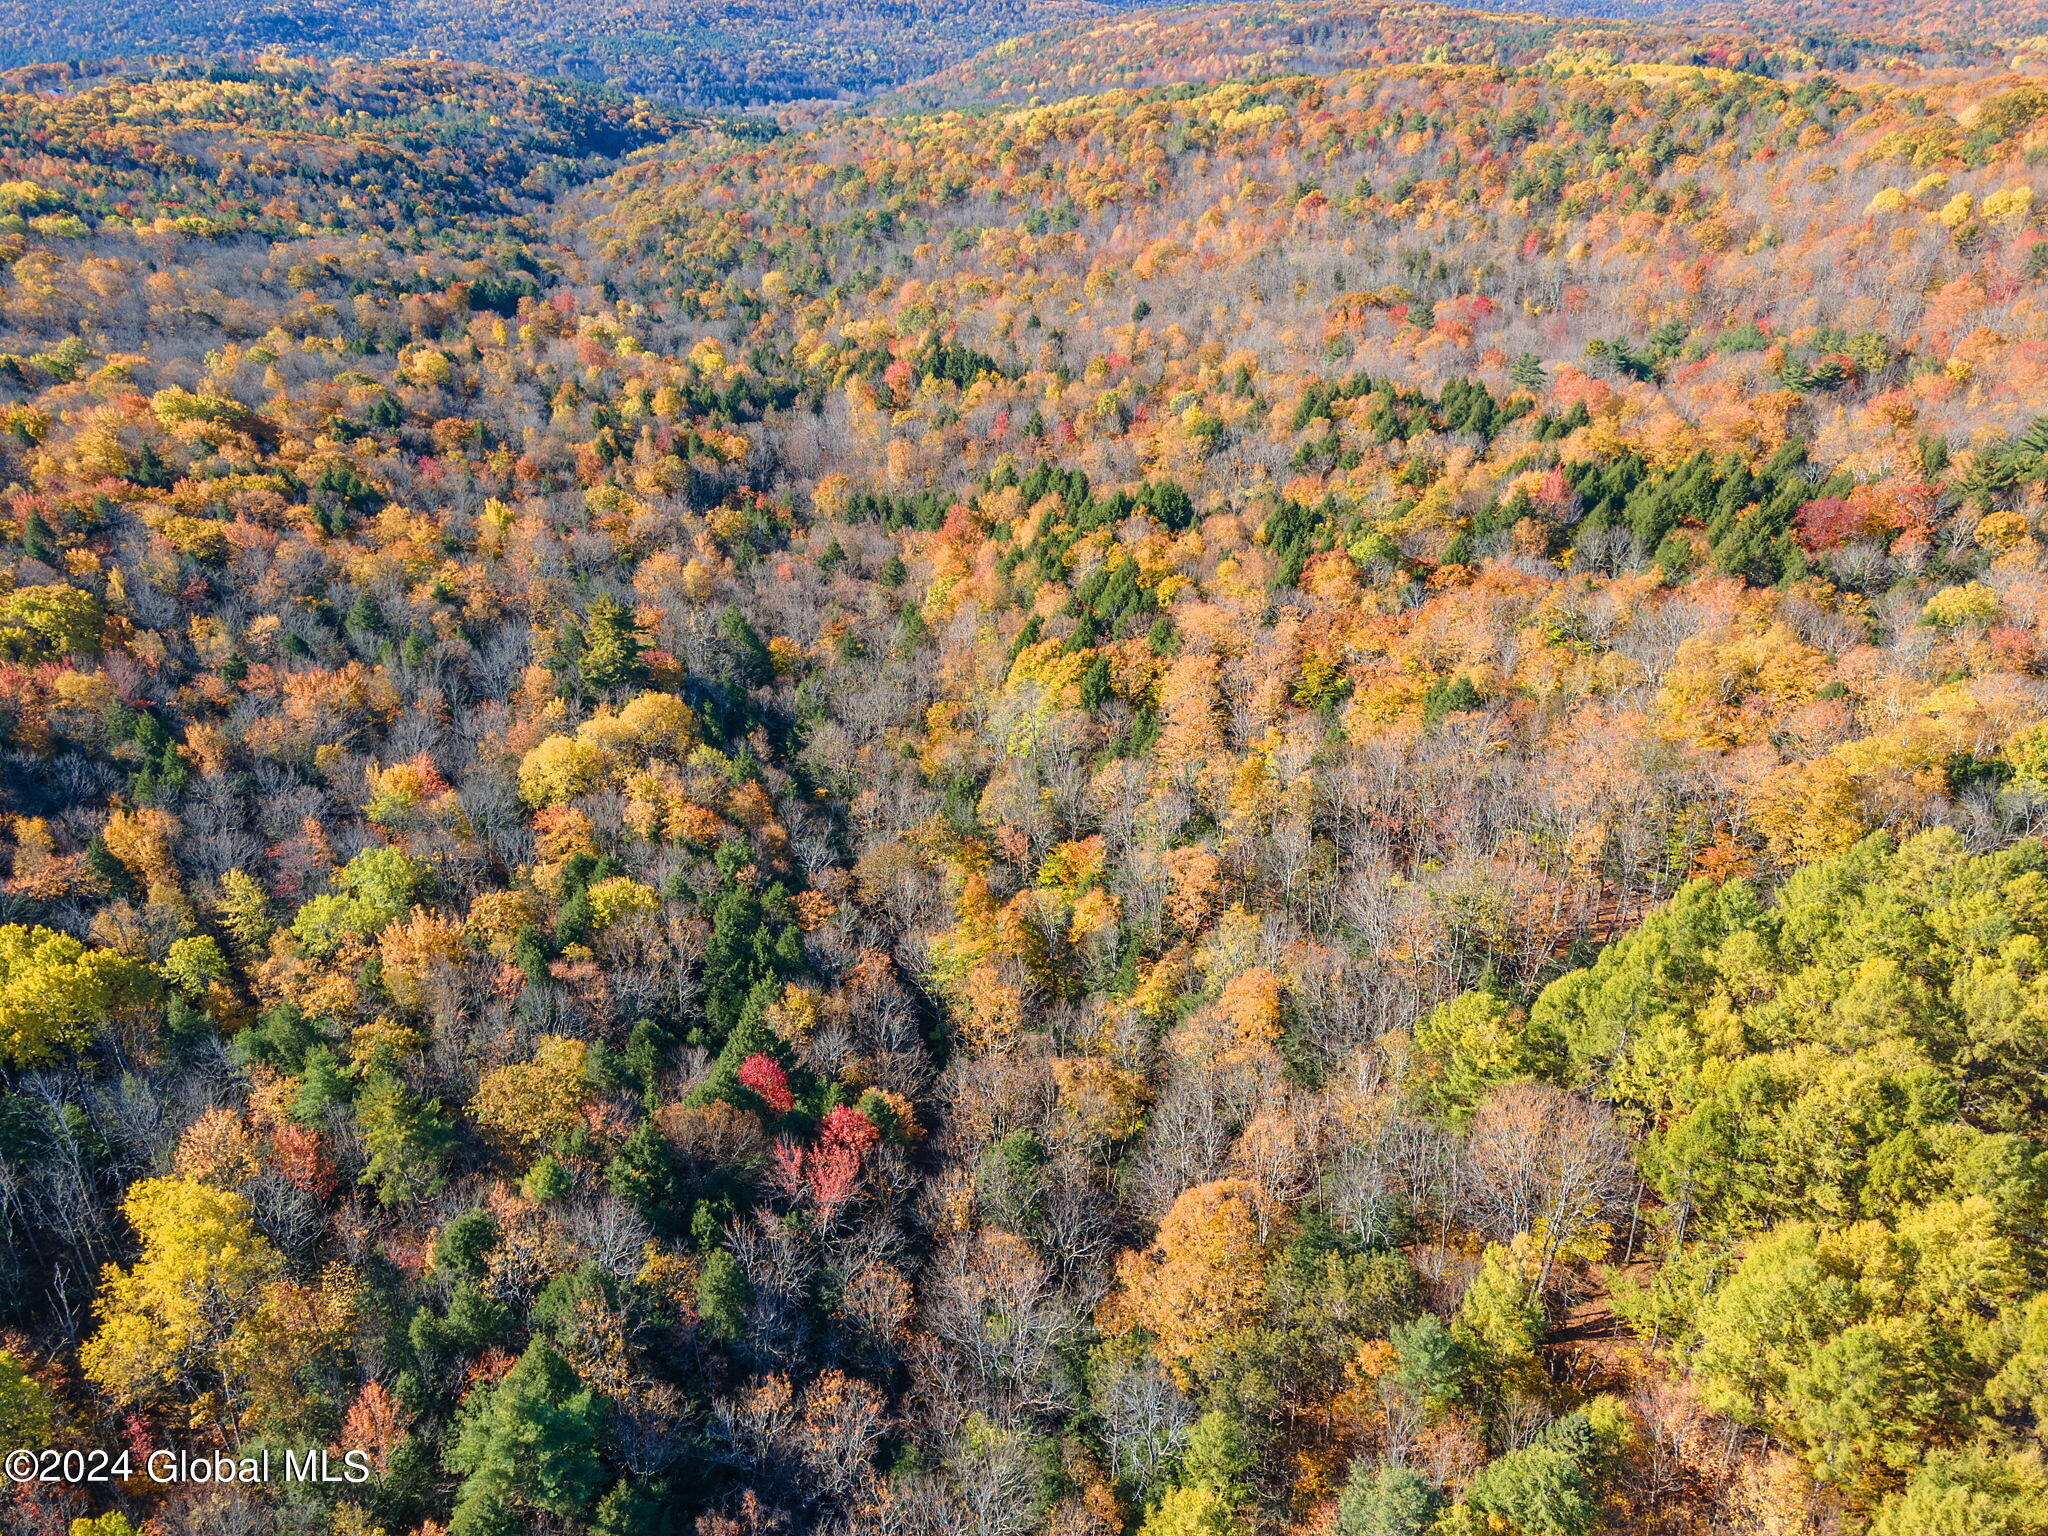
[79,1467]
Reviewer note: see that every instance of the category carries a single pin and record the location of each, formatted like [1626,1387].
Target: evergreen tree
[1386,1501]
[531,1444]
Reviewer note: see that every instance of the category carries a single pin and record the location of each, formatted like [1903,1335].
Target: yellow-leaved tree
[1204,1275]
[528,1103]
[27,1412]
[53,989]
[203,1267]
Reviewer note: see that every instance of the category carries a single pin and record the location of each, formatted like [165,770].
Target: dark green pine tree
[529,1446]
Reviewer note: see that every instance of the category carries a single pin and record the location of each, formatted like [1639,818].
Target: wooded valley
[1256,769]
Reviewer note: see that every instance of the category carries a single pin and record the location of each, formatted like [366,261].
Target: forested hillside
[703,53]
[1150,47]
[728,54]
[1153,791]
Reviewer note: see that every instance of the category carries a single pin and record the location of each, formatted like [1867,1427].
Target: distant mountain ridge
[1164,46]
[762,52]
[703,52]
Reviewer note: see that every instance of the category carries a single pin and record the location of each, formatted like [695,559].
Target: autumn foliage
[1258,769]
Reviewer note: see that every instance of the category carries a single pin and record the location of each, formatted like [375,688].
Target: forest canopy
[1256,769]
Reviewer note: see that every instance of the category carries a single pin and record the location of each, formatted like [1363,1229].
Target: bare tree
[991,1302]
[1144,1416]
[1547,1162]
